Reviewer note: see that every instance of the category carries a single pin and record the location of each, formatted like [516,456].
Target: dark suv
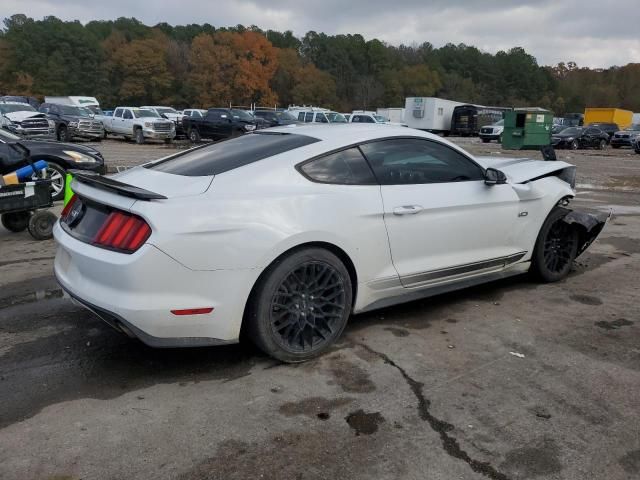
[219,124]
[609,128]
[275,118]
[72,121]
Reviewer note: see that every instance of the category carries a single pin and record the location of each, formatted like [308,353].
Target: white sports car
[285,232]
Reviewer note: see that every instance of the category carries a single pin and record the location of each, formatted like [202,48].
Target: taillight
[123,232]
[67,208]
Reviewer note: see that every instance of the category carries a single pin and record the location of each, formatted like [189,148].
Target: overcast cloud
[591,33]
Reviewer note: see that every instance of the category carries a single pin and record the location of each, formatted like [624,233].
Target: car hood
[154,119]
[19,116]
[520,170]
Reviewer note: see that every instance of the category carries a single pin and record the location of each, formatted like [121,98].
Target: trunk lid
[519,170]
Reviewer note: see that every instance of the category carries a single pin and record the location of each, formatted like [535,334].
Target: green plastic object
[68,193]
[527,129]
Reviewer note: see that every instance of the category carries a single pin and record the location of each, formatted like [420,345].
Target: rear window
[224,156]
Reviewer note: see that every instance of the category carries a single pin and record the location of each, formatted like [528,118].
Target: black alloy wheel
[300,305]
[307,307]
[556,247]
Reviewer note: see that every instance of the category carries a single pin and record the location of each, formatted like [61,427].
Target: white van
[315,114]
[90,102]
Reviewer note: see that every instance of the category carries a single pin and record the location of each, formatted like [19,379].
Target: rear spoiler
[105,183]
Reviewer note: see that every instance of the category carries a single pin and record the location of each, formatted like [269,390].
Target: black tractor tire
[15,221]
[41,224]
[556,248]
[300,305]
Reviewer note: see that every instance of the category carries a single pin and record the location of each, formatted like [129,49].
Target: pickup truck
[169,113]
[139,124]
[72,121]
[219,124]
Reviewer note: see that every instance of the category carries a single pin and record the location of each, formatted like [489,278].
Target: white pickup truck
[138,124]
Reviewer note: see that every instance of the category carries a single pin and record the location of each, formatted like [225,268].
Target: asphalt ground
[510,380]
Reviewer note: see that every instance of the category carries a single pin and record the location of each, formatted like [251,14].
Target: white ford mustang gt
[286,232]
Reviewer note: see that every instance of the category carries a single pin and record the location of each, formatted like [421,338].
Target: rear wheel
[41,225]
[15,221]
[556,248]
[56,174]
[301,305]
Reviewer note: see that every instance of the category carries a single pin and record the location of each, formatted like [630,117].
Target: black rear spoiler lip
[109,184]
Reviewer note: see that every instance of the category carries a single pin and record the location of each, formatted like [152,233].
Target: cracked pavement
[432,389]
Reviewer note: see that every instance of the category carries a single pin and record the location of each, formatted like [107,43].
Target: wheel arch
[331,247]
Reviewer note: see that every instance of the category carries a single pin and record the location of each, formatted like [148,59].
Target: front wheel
[56,174]
[300,305]
[556,248]
[139,136]
[574,145]
[602,145]
[194,135]
[15,221]
[63,134]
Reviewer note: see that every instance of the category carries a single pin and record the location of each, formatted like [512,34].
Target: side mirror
[493,176]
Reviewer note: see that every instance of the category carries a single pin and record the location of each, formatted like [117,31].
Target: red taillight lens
[123,232]
[67,208]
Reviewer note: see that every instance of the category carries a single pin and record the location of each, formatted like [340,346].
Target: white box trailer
[79,101]
[429,113]
[393,114]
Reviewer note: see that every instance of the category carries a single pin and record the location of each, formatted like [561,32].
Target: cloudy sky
[591,33]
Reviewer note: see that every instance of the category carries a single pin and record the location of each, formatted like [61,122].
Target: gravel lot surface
[511,380]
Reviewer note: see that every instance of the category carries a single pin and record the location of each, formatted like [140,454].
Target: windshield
[571,131]
[75,111]
[286,116]
[380,119]
[9,108]
[242,115]
[162,110]
[144,113]
[7,136]
[335,117]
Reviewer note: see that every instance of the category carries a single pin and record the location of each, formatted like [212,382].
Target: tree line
[126,62]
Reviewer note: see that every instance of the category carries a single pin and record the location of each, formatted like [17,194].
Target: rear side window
[308,117]
[224,156]
[347,167]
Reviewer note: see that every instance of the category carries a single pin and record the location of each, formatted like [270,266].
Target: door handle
[407,210]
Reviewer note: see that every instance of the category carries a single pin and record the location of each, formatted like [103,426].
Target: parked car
[139,124]
[72,122]
[219,124]
[25,121]
[275,118]
[492,132]
[169,113]
[580,137]
[362,116]
[60,157]
[609,128]
[636,144]
[317,115]
[286,232]
[78,101]
[625,138]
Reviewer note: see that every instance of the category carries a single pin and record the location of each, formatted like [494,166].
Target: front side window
[118,113]
[347,167]
[416,161]
[320,117]
[308,117]
[127,115]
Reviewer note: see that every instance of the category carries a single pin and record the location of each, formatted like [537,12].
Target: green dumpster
[527,129]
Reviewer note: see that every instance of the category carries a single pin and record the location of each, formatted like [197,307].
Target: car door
[443,221]
[115,121]
[126,122]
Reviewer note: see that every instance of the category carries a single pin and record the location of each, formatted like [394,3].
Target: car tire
[602,145]
[574,145]
[556,248]
[63,134]
[194,135]
[138,136]
[288,294]
[41,224]
[485,140]
[15,221]
[56,174]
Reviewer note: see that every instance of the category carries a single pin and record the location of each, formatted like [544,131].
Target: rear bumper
[136,293]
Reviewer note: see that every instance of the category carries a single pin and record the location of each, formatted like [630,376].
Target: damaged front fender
[589,226]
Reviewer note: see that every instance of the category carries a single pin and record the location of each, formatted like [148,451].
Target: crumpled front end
[589,226]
